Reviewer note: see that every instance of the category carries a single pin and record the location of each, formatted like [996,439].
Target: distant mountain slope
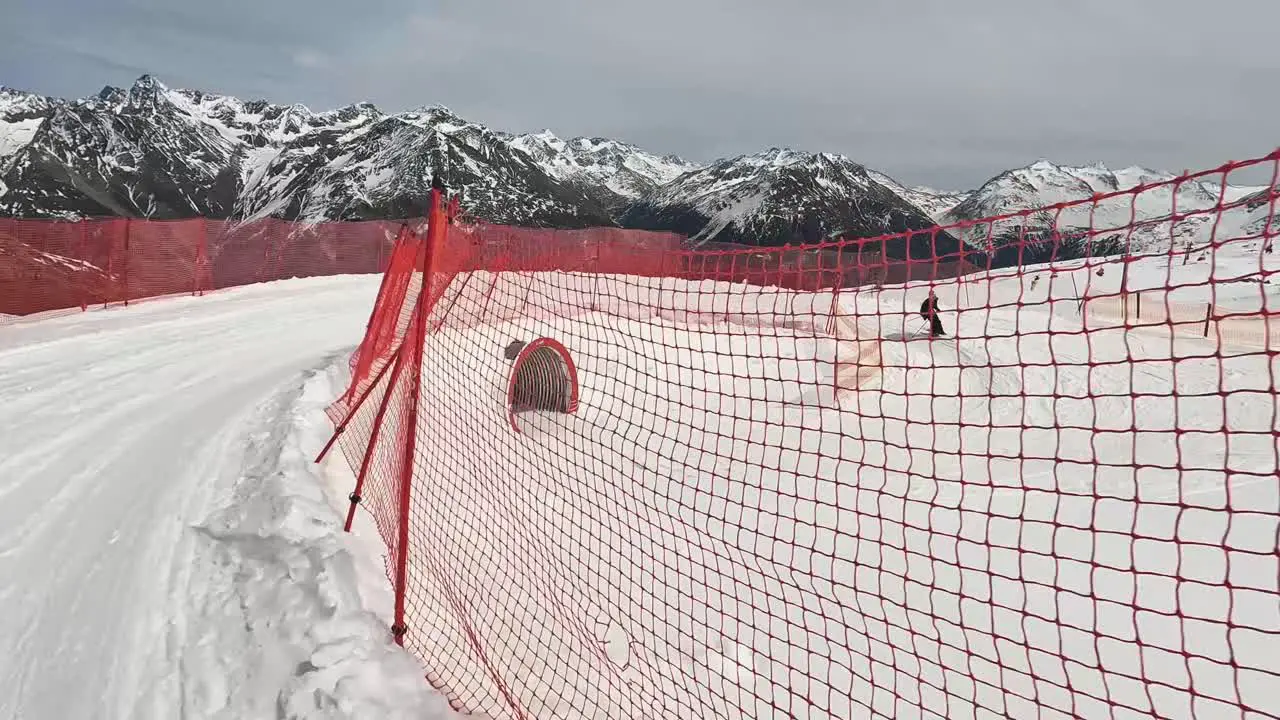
[615,172]
[774,198]
[1044,184]
[930,202]
[118,154]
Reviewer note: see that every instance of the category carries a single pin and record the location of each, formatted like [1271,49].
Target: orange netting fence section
[48,265]
[909,477]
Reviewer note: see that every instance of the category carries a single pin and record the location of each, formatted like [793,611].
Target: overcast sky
[938,92]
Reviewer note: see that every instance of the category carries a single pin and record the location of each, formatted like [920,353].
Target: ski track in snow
[166,550]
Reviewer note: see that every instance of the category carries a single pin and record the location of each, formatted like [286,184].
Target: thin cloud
[310,59]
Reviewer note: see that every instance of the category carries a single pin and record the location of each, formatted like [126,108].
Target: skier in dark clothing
[929,311]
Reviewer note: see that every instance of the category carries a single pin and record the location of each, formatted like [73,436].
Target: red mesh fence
[776,494]
[49,265]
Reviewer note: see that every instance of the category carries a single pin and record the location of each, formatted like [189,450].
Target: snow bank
[296,608]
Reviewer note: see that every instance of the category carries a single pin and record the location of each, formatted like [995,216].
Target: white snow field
[1012,524]
[995,528]
[167,548]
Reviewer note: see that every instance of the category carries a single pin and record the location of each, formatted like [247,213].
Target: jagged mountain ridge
[780,197]
[150,151]
[132,168]
[1043,183]
[382,169]
[21,115]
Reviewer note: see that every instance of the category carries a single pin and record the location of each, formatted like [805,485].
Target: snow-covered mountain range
[152,151]
[777,197]
[1147,213]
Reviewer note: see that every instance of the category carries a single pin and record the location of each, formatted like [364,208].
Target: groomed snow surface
[167,549]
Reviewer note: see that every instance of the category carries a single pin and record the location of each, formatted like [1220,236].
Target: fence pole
[84,255]
[373,437]
[1208,309]
[416,336]
[201,257]
[1124,269]
[342,426]
[128,232]
[109,287]
[263,270]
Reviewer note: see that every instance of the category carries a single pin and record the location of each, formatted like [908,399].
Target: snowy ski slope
[166,548]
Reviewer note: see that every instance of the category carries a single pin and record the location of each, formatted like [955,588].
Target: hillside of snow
[1077,518]
[21,116]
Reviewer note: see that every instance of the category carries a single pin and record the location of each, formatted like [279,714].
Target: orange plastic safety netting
[621,478]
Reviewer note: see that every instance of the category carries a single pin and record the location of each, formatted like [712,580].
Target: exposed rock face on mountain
[383,170]
[1263,212]
[151,151]
[780,197]
[120,153]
